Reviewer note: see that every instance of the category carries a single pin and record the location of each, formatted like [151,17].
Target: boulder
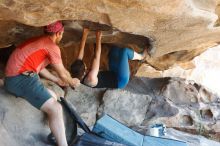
[86,101]
[21,123]
[124,106]
[174,25]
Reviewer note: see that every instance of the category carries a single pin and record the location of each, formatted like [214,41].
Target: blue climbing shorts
[28,87]
[118,63]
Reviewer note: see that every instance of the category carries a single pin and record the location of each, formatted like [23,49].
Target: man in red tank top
[30,59]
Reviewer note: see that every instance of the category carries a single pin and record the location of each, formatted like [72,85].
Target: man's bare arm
[82,43]
[65,75]
[48,75]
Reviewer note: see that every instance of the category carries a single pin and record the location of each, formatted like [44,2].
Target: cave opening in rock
[206,114]
[16,33]
[186,120]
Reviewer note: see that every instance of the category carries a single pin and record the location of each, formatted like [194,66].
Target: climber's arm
[92,79]
[82,44]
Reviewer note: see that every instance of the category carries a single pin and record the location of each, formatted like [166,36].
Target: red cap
[54,27]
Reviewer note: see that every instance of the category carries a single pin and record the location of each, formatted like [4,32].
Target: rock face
[143,102]
[179,31]
[21,124]
[183,28]
[174,25]
[86,101]
[203,69]
[124,106]
[187,105]
[191,140]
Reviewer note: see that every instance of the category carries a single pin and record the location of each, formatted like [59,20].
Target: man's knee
[51,107]
[54,109]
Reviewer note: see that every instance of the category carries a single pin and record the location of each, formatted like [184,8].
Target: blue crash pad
[113,130]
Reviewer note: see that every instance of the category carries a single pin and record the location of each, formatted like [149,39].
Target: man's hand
[61,83]
[75,82]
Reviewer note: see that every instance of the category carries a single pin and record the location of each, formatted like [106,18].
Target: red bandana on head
[54,27]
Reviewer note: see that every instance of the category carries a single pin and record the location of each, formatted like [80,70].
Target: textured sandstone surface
[203,69]
[173,25]
[151,100]
[20,123]
[86,101]
[179,30]
[132,107]
[180,104]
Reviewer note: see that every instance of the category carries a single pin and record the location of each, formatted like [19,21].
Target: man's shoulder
[48,43]
[29,42]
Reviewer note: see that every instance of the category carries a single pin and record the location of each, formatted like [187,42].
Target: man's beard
[58,42]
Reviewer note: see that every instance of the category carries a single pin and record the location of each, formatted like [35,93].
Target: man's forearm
[66,77]
[46,74]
